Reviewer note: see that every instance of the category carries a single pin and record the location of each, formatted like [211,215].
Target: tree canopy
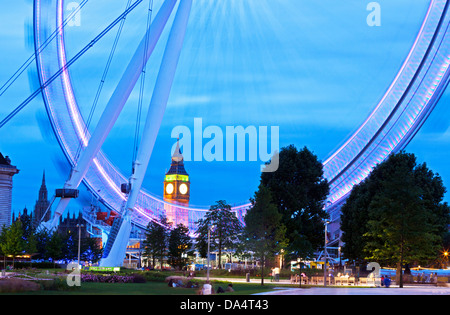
[264,233]
[179,246]
[397,215]
[299,191]
[156,239]
[225,230]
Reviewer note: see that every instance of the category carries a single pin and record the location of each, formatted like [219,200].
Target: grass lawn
[148,288]
[156,286]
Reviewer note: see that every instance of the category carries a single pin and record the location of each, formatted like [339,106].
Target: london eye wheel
[393,122]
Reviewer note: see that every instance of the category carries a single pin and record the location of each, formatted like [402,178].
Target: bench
[342,280]
[369,281]
[319,280]
[352,280]
[296,279]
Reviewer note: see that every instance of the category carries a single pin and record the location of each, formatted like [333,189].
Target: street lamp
[325,256]
[340,261]
[209,237]
[445,258]
[79,226]
[140,250]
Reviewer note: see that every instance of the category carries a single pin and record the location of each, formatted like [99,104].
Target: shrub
[156,276]
[18,285]
[38,265]
[57,284]
[138,278]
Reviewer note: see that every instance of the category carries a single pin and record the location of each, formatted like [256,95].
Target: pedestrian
[229,288]
[276,272]
[422,277]
[207,289]
[387,282]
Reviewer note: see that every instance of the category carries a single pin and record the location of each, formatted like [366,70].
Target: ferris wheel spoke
[155,115]
[160,98]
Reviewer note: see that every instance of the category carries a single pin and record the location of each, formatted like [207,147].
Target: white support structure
[159,99]
[114,106]
[154,118]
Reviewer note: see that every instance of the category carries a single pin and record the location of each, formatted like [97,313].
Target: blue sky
[313,68]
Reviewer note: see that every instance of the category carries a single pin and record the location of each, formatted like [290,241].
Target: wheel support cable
[67,65]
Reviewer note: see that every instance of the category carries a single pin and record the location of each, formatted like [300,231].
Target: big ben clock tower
[177,189]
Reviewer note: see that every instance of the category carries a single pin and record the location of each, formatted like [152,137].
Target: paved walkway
[318,290]
[428,290]
[242,280]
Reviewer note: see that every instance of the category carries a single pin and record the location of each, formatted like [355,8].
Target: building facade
[7,171]
[73,224]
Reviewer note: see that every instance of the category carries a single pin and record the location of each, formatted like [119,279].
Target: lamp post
[340,261]
[79,226]
[209,240]
[325,254]
[140,250]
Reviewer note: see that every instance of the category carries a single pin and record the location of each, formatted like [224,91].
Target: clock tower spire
[177,188]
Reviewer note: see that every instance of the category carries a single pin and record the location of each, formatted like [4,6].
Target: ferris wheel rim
[102,160]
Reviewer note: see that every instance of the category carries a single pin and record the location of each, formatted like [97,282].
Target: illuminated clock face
[183,189]
[169,189]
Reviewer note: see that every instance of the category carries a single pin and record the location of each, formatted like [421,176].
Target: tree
[264,232]
[156,238]
[28,230]
[54,247]
[70,246]
[12,240]
[2,242]
[354,217]
[90,250]
[28,234]
[446,242]
[225,233]
[299,191]
[42,238]
[180,244]
[30,246]
[396,215]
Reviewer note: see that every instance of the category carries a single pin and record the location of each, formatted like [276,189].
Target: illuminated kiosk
[177,190]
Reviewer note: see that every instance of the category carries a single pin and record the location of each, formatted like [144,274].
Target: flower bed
[106,278]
